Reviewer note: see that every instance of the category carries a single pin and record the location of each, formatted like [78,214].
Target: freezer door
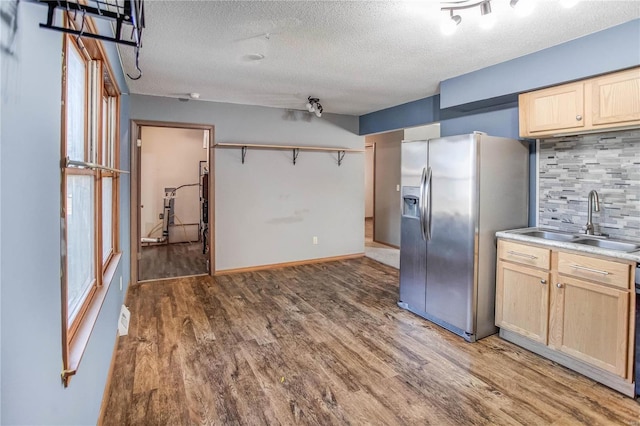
[453,204]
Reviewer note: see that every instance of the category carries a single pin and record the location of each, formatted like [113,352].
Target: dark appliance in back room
[457,192]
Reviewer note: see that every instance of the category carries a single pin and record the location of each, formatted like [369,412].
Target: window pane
[112,132]
[95,99]
[80,241]
[76,98]
[105,133]
[107,217]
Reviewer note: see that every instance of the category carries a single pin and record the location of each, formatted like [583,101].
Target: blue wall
[31,349]
[398,117]
[598,53]
[501,122]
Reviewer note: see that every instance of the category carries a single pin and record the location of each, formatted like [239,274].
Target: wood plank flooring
[172,260]
[326,344]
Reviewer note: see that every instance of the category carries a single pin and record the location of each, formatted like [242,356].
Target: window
[90,193]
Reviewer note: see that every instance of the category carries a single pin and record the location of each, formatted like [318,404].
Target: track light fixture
[485,7]
[452,20]
[313,105]
[450,24]
[487,19]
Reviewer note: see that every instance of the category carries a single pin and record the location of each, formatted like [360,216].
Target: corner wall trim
[287,264]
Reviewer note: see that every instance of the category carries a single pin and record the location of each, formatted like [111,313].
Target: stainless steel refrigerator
[456,193]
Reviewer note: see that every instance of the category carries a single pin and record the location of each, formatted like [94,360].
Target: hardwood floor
[326,344]
[172,260]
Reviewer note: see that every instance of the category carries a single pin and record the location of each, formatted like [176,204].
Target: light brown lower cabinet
[590,322]
[522,300]
[576,311]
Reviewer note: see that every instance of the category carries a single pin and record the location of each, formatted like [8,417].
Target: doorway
[369,191]
[382,199]
[172,200]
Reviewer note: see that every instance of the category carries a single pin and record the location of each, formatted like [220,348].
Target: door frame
[135,189]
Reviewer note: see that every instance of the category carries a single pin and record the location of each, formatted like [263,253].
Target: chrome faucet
[593,204]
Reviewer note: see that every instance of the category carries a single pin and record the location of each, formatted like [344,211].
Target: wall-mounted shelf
[294,148]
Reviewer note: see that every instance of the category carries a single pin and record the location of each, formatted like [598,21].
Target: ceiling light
[457,8]
[194,95]
[450,24]
[522,7]
[485,7]
[313,105]
[487,19]
[255,56]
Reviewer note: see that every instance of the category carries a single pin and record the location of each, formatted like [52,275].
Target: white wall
[429,131]
[170,158]
[268,210]
[368,181]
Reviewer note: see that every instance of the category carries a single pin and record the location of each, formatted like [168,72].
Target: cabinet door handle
[543,281]
[528,256]
[579,117]
[584,268]
[559,285]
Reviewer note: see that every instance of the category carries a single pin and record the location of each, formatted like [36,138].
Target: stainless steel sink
[609,245]
[549,235]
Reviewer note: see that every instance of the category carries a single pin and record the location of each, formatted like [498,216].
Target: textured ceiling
[356,56]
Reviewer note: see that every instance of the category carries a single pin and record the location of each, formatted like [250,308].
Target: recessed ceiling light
[254,56]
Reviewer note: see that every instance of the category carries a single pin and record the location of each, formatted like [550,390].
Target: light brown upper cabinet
[601,103]
[552,110]
[615,98]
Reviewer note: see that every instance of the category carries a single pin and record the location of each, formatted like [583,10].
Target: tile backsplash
[570,167]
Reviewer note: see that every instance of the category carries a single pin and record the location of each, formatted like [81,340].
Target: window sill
[79,342]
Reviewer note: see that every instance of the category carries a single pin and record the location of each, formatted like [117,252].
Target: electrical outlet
[315,240]
[397,188]
[120,282]
[123,322]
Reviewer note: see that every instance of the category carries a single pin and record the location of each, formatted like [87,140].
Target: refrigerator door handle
[423,183]
[427,213]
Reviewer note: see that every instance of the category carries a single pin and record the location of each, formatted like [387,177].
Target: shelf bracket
[340,157]
[244,153]
[296,151]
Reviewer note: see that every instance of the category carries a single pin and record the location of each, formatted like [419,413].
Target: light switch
[397,188]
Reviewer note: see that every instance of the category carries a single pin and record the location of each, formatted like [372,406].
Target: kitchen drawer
[594,269]
[537,257]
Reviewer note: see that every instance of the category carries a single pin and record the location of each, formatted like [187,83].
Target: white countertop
[517,235]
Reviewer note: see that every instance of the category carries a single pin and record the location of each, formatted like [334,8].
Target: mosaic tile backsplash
[570,167]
